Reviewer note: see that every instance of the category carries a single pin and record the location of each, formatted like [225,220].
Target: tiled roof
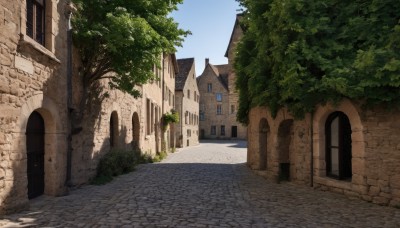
[184,66]
[223,73]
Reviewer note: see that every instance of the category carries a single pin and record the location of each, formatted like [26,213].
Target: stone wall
[375,135]
[30,77]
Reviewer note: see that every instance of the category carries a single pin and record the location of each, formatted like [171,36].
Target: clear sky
[211,23]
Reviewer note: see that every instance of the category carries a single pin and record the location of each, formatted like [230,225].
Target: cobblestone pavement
[203,186]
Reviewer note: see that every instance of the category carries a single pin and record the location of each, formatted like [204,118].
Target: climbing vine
[169,118]
[297,54]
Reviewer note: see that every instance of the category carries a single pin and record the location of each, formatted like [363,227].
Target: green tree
[123,40]
[298,53]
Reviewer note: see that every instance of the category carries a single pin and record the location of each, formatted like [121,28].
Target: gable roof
[184,66]
[221,72]
[237,23]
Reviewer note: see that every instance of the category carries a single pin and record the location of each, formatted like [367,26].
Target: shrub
[115,163]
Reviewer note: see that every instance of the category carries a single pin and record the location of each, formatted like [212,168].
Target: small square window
[219,109]
[219,96]
[213,130]
[209,87]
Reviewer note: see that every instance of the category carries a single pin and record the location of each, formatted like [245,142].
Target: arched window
[113,129]
[338,146]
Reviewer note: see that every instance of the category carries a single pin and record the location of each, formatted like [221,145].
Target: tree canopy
[297,54]
[123,39]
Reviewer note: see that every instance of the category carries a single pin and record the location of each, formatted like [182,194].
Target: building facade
[41,151]
[158,98]
[187,104]
[219,98]
[341,148]
[33,111]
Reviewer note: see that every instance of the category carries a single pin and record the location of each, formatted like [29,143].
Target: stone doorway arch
[114,130]
[285,132]
[264,130]
[35,148]
[135,131]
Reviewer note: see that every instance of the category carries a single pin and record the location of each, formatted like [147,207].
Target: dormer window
[35,20]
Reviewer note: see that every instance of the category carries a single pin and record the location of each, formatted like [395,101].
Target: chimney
[207,61]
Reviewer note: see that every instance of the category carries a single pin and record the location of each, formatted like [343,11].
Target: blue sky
[211,23]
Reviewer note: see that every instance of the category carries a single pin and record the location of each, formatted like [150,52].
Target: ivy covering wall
[299,53]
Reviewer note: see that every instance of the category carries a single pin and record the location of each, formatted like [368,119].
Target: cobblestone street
[203,186]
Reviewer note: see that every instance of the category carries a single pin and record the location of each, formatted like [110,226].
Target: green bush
[115,163]
[160,156]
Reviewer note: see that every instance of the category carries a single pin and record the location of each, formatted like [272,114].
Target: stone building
[33,111]
[116,120]
[187,104]
[40,151]
[158,99]
[218,96]
[341,148]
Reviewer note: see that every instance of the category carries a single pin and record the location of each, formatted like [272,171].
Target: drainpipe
[69,94]
[312,150]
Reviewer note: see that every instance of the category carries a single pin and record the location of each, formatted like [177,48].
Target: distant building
[187,104]
[218,97]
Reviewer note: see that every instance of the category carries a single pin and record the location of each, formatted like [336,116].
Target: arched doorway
[35,154]
[263,138]
[338,146]
[113,130]
[135,131]
[285,133]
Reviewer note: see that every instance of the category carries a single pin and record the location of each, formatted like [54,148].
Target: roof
[184,66]
[237,22]
[222,73]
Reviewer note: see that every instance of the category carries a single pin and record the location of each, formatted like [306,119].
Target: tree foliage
[298,53]
[123,39]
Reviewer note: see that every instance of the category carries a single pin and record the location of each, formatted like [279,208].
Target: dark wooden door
[35,154]
[202,134]
[234,131]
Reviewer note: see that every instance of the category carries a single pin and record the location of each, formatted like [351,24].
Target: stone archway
[135,131]
[54,136]
[264,130]
[114,130]
[321,116]
[35,149]
[285,132]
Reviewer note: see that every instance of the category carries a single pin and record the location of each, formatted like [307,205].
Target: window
[152,118]
[202,107]
[35,20]
[219,96]
[189,133]
[338,146]
[209,87]
[219,109]
[186,117]
[202,118]
[232,109]
[213,130]
[148,116]
[188,94]
[222,130]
